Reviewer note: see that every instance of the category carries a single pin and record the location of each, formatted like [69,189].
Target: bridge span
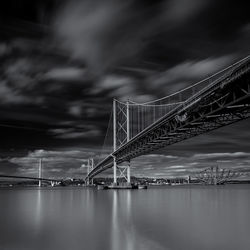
[140,128]
[52,181]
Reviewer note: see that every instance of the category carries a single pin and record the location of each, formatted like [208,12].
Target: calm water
[158,218]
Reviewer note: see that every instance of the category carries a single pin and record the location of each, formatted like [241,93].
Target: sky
[62,63]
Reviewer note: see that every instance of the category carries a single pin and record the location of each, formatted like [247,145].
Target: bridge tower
[120,125]
[90,167]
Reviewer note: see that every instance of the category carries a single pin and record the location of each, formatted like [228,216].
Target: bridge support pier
[124,173]
[89,182]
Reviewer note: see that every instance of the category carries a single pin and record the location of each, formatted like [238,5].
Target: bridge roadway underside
[220,104]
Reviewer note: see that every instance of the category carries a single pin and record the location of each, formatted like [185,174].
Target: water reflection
[122,236]
[114,226]
[38,210]
[159,218]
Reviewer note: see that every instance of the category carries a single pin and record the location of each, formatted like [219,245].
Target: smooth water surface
[187,217]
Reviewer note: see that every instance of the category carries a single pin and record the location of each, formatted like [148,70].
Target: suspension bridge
[137,129]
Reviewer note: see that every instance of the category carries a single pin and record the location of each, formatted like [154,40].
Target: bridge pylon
[90,167]
[118,126]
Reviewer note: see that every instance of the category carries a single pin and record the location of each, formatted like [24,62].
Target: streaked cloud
[187,72]
[65,74]
[89,31]
[85,131]
[176,167]
[222,155]
[183,10]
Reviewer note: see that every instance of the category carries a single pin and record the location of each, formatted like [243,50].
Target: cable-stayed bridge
[139,128]
[50,180]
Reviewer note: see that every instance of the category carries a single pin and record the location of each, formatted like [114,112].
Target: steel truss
[217,176]
[122,130]
[90,167]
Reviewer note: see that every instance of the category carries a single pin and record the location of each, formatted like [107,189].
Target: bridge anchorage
[140,128]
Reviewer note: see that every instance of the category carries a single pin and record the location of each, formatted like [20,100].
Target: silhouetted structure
[216,176]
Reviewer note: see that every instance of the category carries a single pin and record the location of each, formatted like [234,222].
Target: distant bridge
[215,175]
[29,178]
[140,128]
[52,181]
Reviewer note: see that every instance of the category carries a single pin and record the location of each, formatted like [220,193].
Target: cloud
[114,81]
[182,10]
[162,156]
[222,155]
[73,135]
[19,81]
[65,154]
[176,167]
[75,110]
[8,168]
[58,164]
[110,34]
[187,72]
[19,73]
[103,34]
[135,50]
[9,95]
[188,164]
[4,49]
[72,163]
[122,87]
[65,74]
[85,131]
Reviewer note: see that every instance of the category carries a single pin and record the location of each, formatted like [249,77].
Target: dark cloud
[187,73]
[103,34]
[62,62]
[8,167]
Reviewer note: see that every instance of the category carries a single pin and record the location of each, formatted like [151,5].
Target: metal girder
[216,175]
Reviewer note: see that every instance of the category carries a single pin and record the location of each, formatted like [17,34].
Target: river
[160,218]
